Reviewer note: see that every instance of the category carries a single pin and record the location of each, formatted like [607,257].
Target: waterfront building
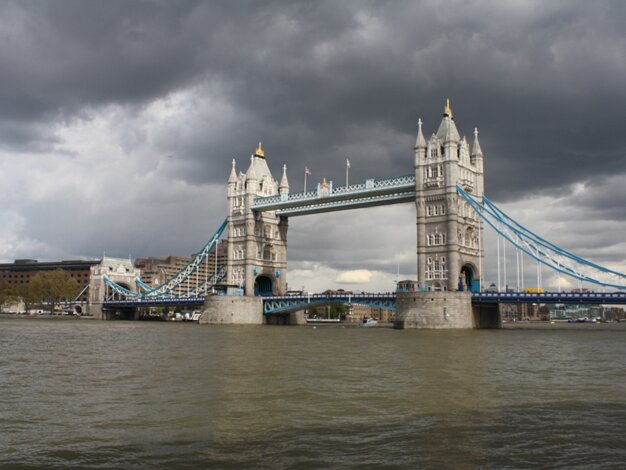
[21,271]
[356,314]
[156,270]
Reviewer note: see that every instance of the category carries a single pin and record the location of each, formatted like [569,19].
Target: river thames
[105,395]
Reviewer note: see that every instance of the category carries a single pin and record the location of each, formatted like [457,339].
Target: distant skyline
[119,120]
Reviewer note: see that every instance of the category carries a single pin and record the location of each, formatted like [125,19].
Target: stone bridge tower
[449,233]
[257,241]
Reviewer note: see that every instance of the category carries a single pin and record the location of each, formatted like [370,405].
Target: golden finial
[447,111]
[259,152]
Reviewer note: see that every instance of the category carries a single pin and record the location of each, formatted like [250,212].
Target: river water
[90,394]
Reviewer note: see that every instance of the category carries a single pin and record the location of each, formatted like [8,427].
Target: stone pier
[233,310]
[433,309]
[444,310]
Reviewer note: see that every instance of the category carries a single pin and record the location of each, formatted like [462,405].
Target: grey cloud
[318,83]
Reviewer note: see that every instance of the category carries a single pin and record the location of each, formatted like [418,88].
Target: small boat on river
[368,322]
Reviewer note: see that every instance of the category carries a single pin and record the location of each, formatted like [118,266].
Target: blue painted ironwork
[196,301]
[546,253]
[182,275]
[164,292]
[370,193]
[604,298]
[292,303]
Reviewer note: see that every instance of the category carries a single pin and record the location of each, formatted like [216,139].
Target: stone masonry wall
[434,310]
[233,310]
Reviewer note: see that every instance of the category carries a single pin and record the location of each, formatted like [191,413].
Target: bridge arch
[468,280]
[117,295]
[264,285]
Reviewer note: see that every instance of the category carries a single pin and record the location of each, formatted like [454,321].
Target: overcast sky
[119,120]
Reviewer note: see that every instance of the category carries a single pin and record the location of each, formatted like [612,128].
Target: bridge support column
[434,310]
[487,315]
[94,309]
[233,310]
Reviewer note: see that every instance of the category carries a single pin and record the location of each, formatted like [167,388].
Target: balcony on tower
[467,183]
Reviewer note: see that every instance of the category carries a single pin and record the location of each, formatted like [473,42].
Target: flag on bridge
[347,163]
[307,170]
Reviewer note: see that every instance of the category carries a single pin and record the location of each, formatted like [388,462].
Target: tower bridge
[447,188]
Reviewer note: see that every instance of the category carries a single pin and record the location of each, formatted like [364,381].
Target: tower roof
[284,184]
[233,174]
[476,150]
[420,142]
[251,173]
[259,152]
[447,131]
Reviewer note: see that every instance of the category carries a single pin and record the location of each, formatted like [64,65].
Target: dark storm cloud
[543,82]
[319,82]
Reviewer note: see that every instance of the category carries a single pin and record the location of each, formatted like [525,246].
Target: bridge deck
[551,297]
[370,193]
[388,301]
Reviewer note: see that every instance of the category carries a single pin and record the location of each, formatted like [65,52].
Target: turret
[420,144]
[476,157]
[283,188]
[476,150]
[232,180]
[251,176]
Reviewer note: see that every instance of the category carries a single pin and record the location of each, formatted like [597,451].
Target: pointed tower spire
[233,174]
[447,110]
[251,174]
[420,142]
[476,150]
[284,184]
[447,131]
[283,188]
[259,152]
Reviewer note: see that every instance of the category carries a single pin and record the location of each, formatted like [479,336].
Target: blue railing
[372,186]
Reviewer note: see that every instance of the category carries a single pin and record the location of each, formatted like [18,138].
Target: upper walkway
[326,198]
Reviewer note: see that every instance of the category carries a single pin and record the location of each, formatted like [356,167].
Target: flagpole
[347,168]
[305,179]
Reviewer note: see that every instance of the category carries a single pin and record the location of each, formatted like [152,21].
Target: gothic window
[434,172]
[435,211]
[429,210]
[469,237]
[442,209]
[433,152]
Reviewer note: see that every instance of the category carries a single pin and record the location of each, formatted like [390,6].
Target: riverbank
[564,325]
[18,316]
